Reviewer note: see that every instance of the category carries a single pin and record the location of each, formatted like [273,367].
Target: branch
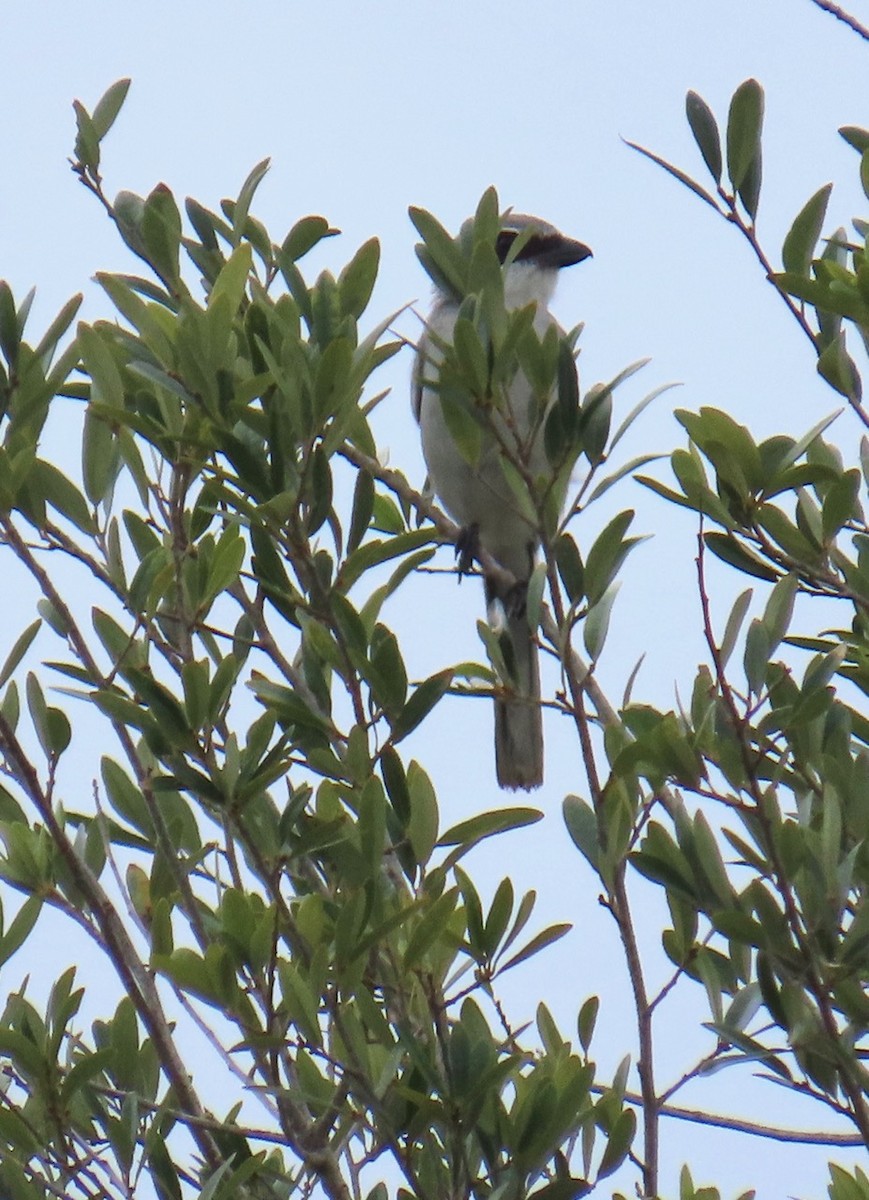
[620,908]
[774,1132]
[839,13]
[450,532]
[134,975]
[749,232]
[20,548]
[268,644]
[815,978]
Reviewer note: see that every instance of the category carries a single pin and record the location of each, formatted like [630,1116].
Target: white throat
[529,283]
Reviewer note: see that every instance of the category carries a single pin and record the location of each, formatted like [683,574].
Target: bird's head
[534,252]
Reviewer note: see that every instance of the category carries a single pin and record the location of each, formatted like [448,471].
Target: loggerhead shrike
[479,498]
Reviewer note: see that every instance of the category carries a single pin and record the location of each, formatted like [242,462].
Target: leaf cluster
[261,842]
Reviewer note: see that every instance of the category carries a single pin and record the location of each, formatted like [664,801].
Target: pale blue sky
[367,108]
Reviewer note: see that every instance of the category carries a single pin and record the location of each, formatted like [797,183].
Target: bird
[478,496]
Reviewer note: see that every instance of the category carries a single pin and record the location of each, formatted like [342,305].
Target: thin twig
[815,982]
[839,13]
[738,1125]
[135,977]
[83,652]
[749,232]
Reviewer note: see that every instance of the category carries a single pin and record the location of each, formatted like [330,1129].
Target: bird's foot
[467,548]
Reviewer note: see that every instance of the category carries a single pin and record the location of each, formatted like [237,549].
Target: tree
[261,857]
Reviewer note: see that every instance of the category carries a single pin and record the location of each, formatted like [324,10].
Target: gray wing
[416,384]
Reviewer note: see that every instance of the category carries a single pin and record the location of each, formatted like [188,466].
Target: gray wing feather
[416,376]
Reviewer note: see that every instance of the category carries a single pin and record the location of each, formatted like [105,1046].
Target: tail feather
[519,719]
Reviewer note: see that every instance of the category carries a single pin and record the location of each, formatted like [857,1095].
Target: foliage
[263,858]
[262,849]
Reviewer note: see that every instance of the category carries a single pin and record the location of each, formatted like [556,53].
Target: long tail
[519,719]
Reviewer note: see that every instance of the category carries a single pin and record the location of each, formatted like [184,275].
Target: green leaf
[597,621]
[487,218]
[58,327]
[472,357]
[733,626]
[232,279]
[728,445]
[705,130]
[126,798]
[395,780]
[568,391]
[15,655]
[586,1021]
[856,137]
[241,207]
[10,334]
[362,511]
[299,998]
[801,446]
[799,245]
[371,823]
[154,374]
[319,498]
[834,293]
[100,457]
[498,917]
[534,595]
[606,555]
[667,493]
[161,231]
[840,504]
[779,609]
[626,468]
[388,675]
[744,127]
[711,862]
[108,106]
[594,421]
[440,254]
[38,711]
[333,376]
[356,281]
[160,1165]
[837,367]
[422,701]
[618,1144]
[87,141]
[381,550]
[62,494]
[128,211]
[486,825]
[59,731]
[581,822]
[473,913]
[570,567]
[190,972]
[539,942]
[19,930]
[733,553]
[422,827]
[688,182]
[205,223]
[749,193]
[463,428]
[305,235]
[822,668]
[563,1188]
[756,656]
[431,926]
